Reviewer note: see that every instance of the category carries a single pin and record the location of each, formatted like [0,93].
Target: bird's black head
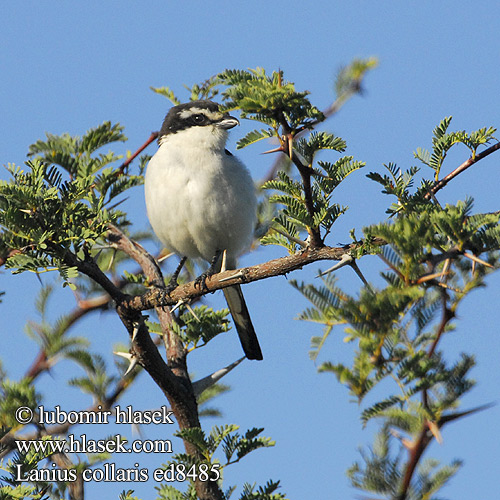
[195,114]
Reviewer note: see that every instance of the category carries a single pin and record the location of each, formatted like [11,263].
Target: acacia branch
[305,173]
[416,452]
[131,158]
[84,307]
[143,347]
[425,437]
[330,111]
[277,267]
[461,168]
[172,377]
[445,319]
[176,353]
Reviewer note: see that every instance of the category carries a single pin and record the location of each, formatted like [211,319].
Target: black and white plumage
[201,199]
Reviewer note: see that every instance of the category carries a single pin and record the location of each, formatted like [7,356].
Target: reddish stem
[130,159]
[464,166]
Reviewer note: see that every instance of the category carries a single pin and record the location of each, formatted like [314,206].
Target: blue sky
[69,66]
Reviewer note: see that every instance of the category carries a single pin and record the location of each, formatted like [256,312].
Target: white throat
[207,137]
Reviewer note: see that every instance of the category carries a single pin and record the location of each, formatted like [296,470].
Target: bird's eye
[199,119]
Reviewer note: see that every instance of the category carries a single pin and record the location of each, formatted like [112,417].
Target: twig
[426,434]
[171,377]
[83,308]
[277,267]
[331,110]
[416,452]
[461,168]
[445,319]
[131,158]
[305,173]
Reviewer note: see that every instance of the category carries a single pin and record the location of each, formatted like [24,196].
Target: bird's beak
[227,122]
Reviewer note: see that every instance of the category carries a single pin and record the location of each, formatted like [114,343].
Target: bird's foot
[164,295]
[172,283]
[201,280]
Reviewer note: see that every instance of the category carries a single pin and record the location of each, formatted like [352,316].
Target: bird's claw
[171,286]
[165,292]
[201,280]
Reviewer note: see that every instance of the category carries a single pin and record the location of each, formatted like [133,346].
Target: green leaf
[318,141]
[255,136]
[168,93]
[379,408]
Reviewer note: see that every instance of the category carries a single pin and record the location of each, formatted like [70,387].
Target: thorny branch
[329,112]
[425,436]
[461,168]
[84,307]
[172,377]
[277,267]
[131,158]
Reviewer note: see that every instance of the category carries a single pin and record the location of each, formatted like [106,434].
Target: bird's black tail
[241,318]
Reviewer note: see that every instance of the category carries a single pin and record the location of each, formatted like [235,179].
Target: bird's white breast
[198,198]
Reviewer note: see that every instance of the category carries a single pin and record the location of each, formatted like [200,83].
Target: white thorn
[136,331]
[357,270]
[131,366]
[136,429]
[224,261]
[165,257]
[289,237]
[346,260]
[179,304]
[190,309]
[130,357]
[112,260]
[239,274]
[203,384]
[123,354]
[276,150]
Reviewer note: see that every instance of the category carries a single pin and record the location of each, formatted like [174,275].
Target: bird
[201,199]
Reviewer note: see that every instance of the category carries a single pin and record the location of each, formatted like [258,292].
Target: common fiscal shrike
[201,200]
